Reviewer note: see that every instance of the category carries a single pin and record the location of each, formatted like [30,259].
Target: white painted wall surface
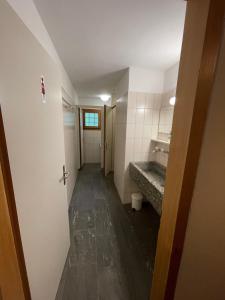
[120,144]
[145,80]
[122,86]
[34,135]
[29,14]
[170,78]
[92,142]
[92,102]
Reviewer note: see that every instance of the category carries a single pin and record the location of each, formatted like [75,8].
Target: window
[91,119]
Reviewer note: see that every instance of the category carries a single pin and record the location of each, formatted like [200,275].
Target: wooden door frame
[199,56]
[10,198]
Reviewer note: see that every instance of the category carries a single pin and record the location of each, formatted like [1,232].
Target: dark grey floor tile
[112,248]
[103,223]
[61,288]
[83,247]
[81,283]
[111,285]
[107,251]
[83,219]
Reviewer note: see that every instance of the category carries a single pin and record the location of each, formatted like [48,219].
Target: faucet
[157,149]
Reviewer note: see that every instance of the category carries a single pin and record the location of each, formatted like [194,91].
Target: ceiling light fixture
[172,101]
[105,98]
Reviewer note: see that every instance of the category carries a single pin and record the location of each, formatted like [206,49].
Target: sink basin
[150,178]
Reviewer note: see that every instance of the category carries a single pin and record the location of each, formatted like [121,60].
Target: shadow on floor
[112,248]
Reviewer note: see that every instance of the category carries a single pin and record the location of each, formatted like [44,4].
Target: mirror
[166,116]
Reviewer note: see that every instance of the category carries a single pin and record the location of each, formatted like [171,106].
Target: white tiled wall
[142,126]
[92,142]
[138,118]
[137,122]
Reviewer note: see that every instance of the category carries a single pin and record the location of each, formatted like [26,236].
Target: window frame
[96,111]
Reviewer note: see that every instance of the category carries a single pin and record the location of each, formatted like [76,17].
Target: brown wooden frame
[200,51]
[9,193]
[99,119]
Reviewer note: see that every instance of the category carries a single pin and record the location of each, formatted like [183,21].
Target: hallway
[107,259]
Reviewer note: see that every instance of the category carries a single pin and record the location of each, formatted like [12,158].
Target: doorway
[91,131]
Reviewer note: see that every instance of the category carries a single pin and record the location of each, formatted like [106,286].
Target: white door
[108,134]
[70,141]
[35,141]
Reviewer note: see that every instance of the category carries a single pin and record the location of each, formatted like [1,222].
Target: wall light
[172,101]
[105,98]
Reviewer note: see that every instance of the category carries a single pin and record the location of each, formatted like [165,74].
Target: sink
[150,178]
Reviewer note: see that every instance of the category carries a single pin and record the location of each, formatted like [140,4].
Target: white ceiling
[97,39]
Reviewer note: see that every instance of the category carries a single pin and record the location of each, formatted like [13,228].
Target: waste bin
[136,200]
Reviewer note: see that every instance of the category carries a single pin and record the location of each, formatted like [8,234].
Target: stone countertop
[150,178]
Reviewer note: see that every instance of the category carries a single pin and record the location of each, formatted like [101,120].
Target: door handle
[65,175]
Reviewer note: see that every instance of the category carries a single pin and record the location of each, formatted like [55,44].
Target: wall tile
[139,131]
[137,145]
[130,130]
[154,131]
[157,101]
[132,100]
[149,101]
[145,147]
[129,151]
[147,133]
[131,115]
[148,116]
[137,156]
[155,117]
[140,114]
[140,100]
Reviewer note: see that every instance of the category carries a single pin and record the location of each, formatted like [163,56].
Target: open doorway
[91,135]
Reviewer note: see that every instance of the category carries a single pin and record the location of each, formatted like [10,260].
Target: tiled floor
[112,248]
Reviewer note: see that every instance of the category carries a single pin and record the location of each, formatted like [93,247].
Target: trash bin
[136,200]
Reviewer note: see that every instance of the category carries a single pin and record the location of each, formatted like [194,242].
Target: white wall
[92,142]
[145,80]
[141,127]
[120,144]
[120,98]
[122,86]
[170,78]
[29,14]
[34,135]
[148,93]
[202,269]
[88,101]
